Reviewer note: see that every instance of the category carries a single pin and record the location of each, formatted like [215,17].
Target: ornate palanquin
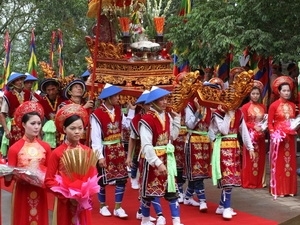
[133,76]
[115,65]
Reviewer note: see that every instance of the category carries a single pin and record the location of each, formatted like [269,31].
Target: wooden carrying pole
[93,74]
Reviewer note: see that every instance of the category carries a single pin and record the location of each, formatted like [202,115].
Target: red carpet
[189,215]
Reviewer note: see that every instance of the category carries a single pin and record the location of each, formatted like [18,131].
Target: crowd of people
[170,154]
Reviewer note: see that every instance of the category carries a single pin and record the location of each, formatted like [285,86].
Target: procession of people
[170,154]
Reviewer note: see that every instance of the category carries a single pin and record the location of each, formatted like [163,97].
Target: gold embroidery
[232,121]
[162,121]
[162,139]
[32,151]
[50,104]
[33,195]
[183,131]
[286,110]
[230,144]
[111,116]
[33,212]
[158,152]
[203,112]
[19,96]
[113,137]
[202,139]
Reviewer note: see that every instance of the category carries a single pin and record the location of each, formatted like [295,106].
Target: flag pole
[93,74]
[51,56]
[95,55]
[61,73]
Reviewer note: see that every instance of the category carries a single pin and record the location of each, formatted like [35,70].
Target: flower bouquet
[294,123]
[5,170]
[79,179]
[289,126]
[264,123]
[34,176]
[256,135]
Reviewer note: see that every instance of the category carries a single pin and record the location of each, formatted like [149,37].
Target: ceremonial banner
[6,66]
[61,73]
[32,66]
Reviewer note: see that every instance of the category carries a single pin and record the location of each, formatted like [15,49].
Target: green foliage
[70,17]
[46,16]
[205,35]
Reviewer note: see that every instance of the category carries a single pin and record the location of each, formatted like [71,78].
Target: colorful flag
[263,74]
[185,7]
[6,66]
[224,68]
[52,48]
[183,67]
[60,45]
[32,66]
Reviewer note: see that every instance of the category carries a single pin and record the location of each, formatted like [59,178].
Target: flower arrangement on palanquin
[135,64]
[188,85]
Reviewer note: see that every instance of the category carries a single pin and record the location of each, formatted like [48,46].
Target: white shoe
[203,206]
[120,213]
[191,201]
[161,220]
[146,221]
[176,221]
[112,183]
[139,216]
[104,211]
[227,214]
[220,211]
[180,198]
[135,183]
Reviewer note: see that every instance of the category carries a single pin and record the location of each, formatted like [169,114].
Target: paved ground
[258,202]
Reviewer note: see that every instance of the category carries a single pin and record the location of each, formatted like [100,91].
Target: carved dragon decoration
[189,85]
[49,72]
